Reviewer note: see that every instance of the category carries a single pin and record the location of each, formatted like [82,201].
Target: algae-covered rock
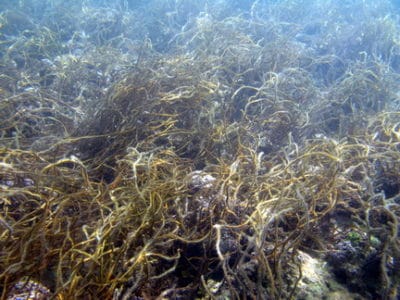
[317,281]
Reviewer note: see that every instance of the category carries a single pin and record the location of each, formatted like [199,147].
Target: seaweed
[200,153]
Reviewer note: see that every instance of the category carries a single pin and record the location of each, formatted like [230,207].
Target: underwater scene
[199,149]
